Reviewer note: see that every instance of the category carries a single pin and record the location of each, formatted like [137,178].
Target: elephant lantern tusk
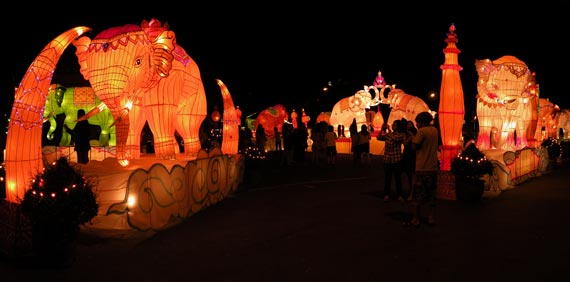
[124,112]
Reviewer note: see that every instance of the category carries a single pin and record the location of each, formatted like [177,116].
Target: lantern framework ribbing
[451,110]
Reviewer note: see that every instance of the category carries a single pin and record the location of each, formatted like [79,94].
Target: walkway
[305,223]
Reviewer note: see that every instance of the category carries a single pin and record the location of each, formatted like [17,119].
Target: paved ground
[310,223]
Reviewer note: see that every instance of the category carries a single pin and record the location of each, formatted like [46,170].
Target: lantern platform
[149,195]
[514,167]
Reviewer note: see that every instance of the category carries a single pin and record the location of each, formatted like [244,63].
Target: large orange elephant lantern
[142,75]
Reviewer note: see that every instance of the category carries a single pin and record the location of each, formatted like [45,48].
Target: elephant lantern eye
[138,62]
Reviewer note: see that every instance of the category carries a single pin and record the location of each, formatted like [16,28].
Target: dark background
[272,53]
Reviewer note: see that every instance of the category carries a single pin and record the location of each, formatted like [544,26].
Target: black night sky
[285,52]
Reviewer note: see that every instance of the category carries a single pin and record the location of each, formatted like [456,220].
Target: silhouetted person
[425,143]
[364,144]
[330,140]
[277,136]
[301,137]
[393,159]
[260,138]
[353,129]
[81,134]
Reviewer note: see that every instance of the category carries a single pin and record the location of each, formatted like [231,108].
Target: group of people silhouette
[410,155]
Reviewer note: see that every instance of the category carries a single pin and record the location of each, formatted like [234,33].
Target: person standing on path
[80,134]
[425,144]
[393,160]
[409,155]
[330,139]
[353,130]
[364,144]
[260,138]
[277,138]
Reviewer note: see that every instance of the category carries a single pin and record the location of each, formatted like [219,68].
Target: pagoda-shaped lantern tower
[451,110]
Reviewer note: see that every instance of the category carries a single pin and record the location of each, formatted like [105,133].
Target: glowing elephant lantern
[404,105]
[503,103]
[66,101]
[354,107]
[142,69]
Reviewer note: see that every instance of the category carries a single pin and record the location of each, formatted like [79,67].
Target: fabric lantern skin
[305,118]
[354,107]
[230,130]
[503,105]
[238,115]
[377,120]
[23,141]
[532,119]
[294,118]
[272,117]
[324,116]
[564,123]
[142,67]
[405,106]
[548,119]
[451,112]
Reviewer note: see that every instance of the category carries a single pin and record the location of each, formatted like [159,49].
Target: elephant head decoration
[505,103]
[402,106]
[141,75]
[354,107]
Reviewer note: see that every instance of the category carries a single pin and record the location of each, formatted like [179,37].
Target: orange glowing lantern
[324,116]
[238,115]
[272,117]
[216,114]
[166,89]
[533,118]
[294,119]
[230,131]
[378,121]
[451,110]
[504,103]
[23,142]
[305,118]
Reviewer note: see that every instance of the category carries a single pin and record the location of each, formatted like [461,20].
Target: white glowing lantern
[503,88]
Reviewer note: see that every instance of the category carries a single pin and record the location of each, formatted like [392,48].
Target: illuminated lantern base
[448,153]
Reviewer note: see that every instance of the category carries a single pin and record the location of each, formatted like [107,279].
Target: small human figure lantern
[294,118]
[305,118]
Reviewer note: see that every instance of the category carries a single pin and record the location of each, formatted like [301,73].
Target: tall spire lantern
[451,110]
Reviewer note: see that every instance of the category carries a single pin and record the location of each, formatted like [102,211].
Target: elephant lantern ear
[162,56]
[82,44]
